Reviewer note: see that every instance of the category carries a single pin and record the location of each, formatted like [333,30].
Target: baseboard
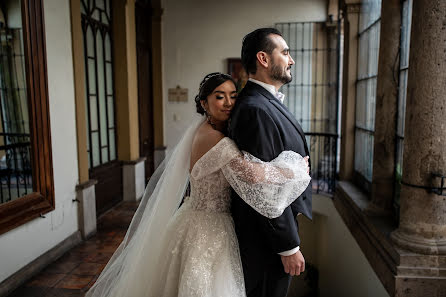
[31,269]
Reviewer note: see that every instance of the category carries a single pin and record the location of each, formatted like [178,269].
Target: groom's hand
[294,264]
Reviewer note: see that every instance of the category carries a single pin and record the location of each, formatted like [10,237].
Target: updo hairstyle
[208,85]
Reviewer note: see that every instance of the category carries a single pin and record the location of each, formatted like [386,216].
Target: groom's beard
[280,74]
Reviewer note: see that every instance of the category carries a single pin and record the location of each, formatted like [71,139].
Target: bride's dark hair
[208,85]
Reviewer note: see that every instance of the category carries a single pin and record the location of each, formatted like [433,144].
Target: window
[368,50]
[406,21]
[312,95]
[96,25]
[26,177]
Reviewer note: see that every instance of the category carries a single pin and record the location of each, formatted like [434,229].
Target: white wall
[198,36]
[327,243]
[27,242]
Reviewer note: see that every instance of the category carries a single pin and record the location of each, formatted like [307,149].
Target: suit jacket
[261,125]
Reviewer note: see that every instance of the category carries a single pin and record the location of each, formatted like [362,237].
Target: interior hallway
[77,270]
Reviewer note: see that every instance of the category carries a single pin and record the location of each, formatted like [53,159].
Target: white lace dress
[200,255]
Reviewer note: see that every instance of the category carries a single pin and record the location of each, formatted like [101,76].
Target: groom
[263,126]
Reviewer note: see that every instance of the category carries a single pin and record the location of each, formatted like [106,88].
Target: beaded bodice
[210,191]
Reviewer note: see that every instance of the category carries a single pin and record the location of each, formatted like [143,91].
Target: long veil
[133,265]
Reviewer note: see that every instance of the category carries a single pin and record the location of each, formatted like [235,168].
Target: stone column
[351,11]
[386,110]
[422,226]
[126,88]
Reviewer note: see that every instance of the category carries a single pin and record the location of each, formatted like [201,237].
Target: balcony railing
[15,166]
[323,156]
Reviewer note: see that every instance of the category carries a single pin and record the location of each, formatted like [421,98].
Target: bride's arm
[287,167]
[268,187]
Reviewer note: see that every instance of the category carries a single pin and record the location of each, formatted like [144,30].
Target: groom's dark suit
[262,125]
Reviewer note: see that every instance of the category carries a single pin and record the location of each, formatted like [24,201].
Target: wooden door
[143,15]
[100,98]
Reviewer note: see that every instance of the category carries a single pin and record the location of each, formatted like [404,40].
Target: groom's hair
[254,42]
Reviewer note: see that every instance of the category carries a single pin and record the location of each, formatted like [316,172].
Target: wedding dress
[193,251]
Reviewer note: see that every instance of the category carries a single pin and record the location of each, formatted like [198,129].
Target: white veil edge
[133,265]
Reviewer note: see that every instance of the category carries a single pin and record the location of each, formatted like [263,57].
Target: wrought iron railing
[323,156]
[15,166]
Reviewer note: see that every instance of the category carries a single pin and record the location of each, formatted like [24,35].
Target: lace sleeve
[268,187]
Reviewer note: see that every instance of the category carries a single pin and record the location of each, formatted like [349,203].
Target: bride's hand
[308,163]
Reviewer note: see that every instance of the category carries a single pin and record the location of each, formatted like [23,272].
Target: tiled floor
[77,270]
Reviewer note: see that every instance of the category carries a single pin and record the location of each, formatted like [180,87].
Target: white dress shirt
[270,88]
[280,97]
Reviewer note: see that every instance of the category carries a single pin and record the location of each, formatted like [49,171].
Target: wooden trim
[41,201]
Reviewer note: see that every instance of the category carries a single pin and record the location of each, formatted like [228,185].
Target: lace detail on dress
[210,190]
[268,187]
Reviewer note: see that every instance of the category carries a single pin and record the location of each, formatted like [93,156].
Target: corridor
[76,271]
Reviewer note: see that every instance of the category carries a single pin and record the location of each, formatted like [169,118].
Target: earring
[209,119]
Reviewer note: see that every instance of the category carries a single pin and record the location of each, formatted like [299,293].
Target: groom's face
[281,61]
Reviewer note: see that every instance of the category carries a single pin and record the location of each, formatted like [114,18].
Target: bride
[191,250]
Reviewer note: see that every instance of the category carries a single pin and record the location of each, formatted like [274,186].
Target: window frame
[403,69]
[26,208]
[358,177]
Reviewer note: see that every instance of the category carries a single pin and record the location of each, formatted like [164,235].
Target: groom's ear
[263,59]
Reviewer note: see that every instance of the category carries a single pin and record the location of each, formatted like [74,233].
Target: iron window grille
[313,95]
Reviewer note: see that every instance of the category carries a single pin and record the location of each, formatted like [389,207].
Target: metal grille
[313,95]
[15,146]
[368,50]
[402,93]
[96,26]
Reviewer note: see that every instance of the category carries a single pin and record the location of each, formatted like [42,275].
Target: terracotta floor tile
[29,292]
[88,247]
[56,292]
[120,233]
[92,282]
[104,235]
[45,280]
[108,247]
[77,270]
[101,258]
[73,256]
[74,282]
[129,206]
[61,266]
[88,269]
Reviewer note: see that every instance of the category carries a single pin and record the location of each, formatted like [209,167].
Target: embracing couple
[246,160]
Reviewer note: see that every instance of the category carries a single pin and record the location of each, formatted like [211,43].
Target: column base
[420,275]
[159,155]
[85,194]
[418,244]
[133,179]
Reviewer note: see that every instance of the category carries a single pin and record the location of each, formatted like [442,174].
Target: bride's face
[221,101]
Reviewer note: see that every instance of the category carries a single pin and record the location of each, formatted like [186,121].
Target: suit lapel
[273,100]
[291,118]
